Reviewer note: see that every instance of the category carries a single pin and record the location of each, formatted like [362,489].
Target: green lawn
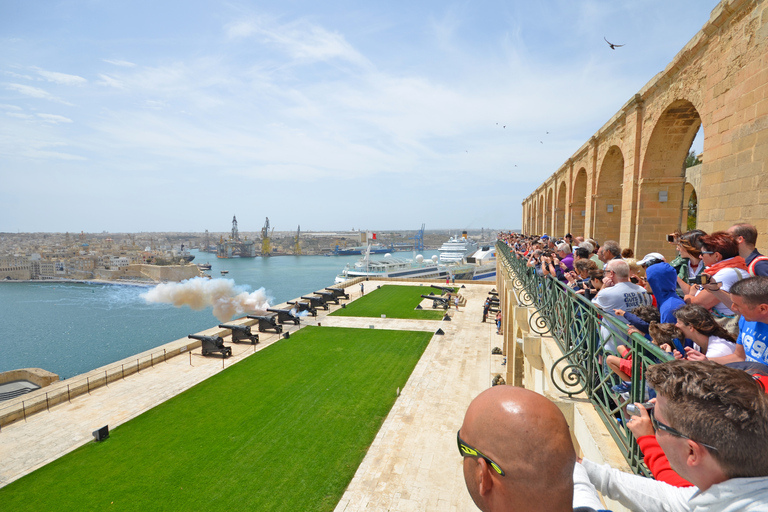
[395,302]
[284,429]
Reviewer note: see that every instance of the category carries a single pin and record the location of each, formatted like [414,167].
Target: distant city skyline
[173,116]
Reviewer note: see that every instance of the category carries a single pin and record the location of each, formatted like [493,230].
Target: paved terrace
[413,463]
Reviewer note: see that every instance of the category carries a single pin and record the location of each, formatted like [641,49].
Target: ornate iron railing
[585,335]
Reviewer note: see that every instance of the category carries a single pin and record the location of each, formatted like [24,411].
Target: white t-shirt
[717,347]
[626,296]
[727,276]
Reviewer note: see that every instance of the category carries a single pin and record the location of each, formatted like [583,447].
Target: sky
[175,115]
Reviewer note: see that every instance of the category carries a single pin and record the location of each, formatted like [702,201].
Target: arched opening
[579,204]
[662,178]
[690,214]
[560,228]
[548,216]
[540,219]
[607,212]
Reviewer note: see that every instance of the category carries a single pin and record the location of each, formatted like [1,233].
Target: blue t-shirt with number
[753,336]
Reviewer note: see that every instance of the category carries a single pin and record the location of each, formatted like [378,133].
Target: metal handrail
[581,330]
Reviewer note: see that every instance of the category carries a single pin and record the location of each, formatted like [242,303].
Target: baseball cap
[650,259]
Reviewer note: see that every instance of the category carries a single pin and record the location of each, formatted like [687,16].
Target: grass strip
[284,429]
[395,302]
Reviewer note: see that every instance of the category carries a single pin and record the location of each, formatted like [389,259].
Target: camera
[701,279]
[671,238]
[633,410]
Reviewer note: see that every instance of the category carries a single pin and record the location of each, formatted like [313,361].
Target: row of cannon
[273,320]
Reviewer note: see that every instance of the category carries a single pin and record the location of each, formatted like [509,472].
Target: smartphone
[679,346]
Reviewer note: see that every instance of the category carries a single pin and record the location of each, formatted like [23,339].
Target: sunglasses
[669,430]
[707,252]
[467,451]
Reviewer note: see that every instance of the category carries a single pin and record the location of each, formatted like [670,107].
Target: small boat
[204,266]
[224,272]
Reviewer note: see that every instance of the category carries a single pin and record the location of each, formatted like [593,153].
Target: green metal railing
[584,334]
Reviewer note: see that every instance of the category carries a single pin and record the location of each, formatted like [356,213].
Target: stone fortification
[628,181]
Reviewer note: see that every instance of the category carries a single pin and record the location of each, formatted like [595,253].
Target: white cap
[650,257]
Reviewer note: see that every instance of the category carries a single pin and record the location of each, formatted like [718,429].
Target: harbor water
[70,328]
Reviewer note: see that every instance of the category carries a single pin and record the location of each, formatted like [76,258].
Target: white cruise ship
[395,267]
[456,249]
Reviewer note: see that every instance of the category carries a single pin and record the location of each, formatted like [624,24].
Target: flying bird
[613,46]
[541,141]
[504,126]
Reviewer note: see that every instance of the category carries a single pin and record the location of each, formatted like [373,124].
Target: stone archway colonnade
[629,182]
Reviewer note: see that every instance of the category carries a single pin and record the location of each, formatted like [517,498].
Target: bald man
[518,454]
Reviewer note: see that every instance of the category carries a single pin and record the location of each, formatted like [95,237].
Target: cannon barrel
[329,296]
[338,292]
[260,317]
[212,339]
[318,299]
[242,328]
[443,288]
[435,297]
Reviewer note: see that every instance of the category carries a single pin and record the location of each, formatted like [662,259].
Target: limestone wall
[628,181]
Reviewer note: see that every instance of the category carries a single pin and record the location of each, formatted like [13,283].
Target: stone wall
[628,181]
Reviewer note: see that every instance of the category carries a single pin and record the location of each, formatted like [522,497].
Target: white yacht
[456,249]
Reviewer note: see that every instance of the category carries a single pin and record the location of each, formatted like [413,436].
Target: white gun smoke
[223,295]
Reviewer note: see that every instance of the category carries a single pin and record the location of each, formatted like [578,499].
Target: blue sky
[174,116]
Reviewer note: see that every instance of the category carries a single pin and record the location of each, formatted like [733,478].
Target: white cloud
[9,107]
[53,118]
[110,81]
[61,78]
[51,155]
[121,63]
[17,75]
[19,116]
[301,39]
[28,90]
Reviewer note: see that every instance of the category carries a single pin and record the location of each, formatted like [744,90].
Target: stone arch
[548,214]
[606,221]
[540,220]
[662,177]
[560,202]
[579,203]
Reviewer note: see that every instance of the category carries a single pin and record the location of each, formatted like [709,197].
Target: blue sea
[69,329]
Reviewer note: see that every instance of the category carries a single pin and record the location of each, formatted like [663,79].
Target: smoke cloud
[223,295]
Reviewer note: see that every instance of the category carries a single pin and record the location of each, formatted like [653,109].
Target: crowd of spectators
[707,306]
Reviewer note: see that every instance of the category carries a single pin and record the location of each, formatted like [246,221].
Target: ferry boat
[374,249]
[204,266]
[456,249]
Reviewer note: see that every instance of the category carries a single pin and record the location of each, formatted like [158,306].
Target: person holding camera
[720,254]
[711,422]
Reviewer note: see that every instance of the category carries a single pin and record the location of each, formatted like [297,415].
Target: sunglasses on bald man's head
[467,451]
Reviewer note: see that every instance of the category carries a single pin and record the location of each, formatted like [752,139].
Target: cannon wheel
[279,329]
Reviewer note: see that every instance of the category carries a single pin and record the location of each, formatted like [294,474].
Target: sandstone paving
[413,463]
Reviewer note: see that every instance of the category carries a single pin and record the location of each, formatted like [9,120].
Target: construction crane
[235,234]
[265,243]
[418,240]
[297,245]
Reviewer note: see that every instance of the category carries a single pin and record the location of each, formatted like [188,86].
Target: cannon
[305,306]
[267,322]
[211,344]
[494,300]
[328,296]
[316,301]
[438,301]
[286,315]
[241,333]
[338,292]
[443,289]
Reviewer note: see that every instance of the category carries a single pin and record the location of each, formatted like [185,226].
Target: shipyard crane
[418,240]
[265,242]
[235,235]
[297,245]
